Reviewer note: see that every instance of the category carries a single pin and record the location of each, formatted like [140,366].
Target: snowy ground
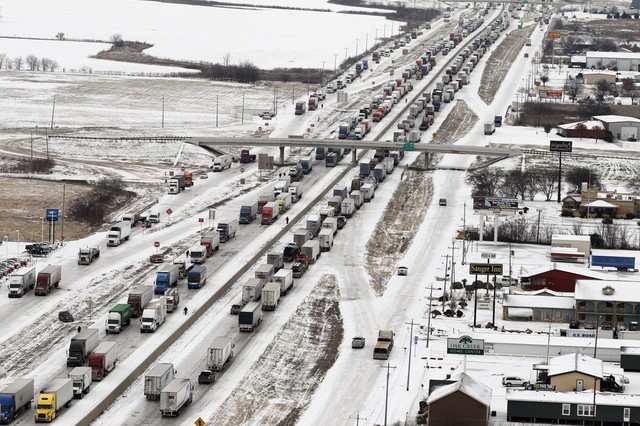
[307,340]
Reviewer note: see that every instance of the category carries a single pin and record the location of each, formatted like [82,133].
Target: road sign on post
[485,268]
[156,244]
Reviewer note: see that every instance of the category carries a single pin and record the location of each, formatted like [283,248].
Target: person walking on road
[186,310]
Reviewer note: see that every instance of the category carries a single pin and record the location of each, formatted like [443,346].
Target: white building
[623,61]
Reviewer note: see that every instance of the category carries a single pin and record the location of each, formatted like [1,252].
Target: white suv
[509,381]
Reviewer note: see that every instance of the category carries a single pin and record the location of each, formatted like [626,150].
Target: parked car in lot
[156,258]
[266,115]
[606,325]
[510,381]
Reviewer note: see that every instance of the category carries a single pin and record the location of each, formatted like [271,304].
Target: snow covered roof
[601,204]
[575,197]
[615,118]
[618,399]
[533,301]
[572,269]
[575,362]
[570,237]
[630,350]
[589,123]
[467,385]
[541,339]
[613,55]
[627,291]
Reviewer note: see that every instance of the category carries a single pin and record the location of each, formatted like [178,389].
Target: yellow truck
[52,398]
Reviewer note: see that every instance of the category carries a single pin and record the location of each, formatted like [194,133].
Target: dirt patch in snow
[500,62]
[405,212]
[279,386]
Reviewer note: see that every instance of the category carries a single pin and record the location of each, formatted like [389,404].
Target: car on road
[266,115]
[403,270]
[206,377]
[510,381]
[423,126]
[204,176]
[442,202]
[156,258]
[358,342]
[65,316]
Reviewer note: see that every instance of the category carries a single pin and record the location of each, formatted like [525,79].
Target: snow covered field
[298,367]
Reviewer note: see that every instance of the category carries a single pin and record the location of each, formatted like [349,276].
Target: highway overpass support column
[354,158]
[282,155]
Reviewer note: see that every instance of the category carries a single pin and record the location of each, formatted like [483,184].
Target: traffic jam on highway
[91,358]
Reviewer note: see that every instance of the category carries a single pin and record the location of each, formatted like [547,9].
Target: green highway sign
[408,146]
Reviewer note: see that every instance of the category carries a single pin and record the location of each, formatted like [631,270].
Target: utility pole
[464,232]
[366,42]
[444,292]
[346,49]
[335,62]
[358,418]
[386,398]
[410,343]
[53,110]
[429,320]
[163,111]
[64,193]
[242,114]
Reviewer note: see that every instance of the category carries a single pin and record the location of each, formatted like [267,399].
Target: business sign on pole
[554,34]
[465,345]
[52,215]
[550,94]
[560,146]
[495,205]
[485,269]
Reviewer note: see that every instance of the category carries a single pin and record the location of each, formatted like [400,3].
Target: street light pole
[410,343]
[386,398]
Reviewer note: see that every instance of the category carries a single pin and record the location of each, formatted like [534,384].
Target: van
[222,162]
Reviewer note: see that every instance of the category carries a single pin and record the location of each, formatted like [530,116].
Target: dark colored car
[206,377]
[156,258]
[423,126]
[235,309]
[574,324]
[358,342]
[65,316]
[606,325]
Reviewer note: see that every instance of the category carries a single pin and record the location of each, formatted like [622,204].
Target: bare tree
[60,36]
[581,129]
[546,181]
[32,62]
[117,40]
[3,60]
[516,184]
[485,181]
[17,62]
[629,88]
[602,88]
[544,78]
[604,45]
[573,89]
[576,175]
[226,59]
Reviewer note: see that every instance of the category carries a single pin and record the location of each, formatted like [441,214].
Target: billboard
[495,205]
[560,146]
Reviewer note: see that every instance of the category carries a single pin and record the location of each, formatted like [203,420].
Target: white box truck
[177,394]
[118,233]
[157,378]
[325,237]
[82,379]
[311,249]
[219,353]
[285,278]
[22,281]
[153,315]
[270,296]
[222,162]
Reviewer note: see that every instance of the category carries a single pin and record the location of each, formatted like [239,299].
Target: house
[592,77]
[445,403]
[621,127]
[572,407]
[541,305]
[594,203]
[615,301]
[574,372]
[559,278]
[571,201]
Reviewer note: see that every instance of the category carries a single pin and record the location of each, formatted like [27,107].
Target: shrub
[566,213]
[630,216]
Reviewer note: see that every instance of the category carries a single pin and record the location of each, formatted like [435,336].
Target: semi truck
[157,378]
[48,278]
[384,344]
[247,157]
[227,229]
[139,298]
[181,262]
[284,201]
[166,277]
[295,189]
[300,265]
[197,276]
[15,396]
[198,254]
[311,249]
[270,296]
[248,212]
[153,315]
[81,346]
[276,259]
[301,107]
[325,238]
[81,378]
[118,233]
[103,359]
[154,217]
[265,272]
[250,316]
[330,223]
[290,251]
[118,317]
[173,299]
[252,289]
[307,165]
[313,224]
[348,206]
[301,236]
[177,394]
[176,184]
[211,241]
[281,185]
[489,128]
[219,353]
[222,162]
[285,278]
[368,192]
[22,281]
[56,395]
[270,213]
[87,255]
